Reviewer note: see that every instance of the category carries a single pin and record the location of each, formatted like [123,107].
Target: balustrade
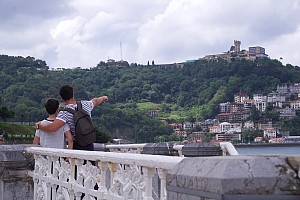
[70,174]
[227,148]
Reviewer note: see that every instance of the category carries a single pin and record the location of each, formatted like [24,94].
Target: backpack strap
[79,107]
[69,110]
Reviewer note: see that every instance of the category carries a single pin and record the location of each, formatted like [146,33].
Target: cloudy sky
[81,33]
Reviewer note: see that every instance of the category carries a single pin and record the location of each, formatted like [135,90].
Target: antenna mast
[121,50]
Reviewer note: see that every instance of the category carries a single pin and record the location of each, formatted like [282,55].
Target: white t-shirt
[55,139]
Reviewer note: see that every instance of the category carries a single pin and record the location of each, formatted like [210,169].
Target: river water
[291,150]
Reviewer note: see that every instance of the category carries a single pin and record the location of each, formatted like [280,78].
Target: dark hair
[66,92]
[51,105]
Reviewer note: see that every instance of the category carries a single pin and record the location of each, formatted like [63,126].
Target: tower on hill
[237,45]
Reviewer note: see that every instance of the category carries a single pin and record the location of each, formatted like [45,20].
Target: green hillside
[192,92]
[17,132]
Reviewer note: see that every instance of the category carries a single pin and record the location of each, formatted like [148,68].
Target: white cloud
[82,33]
[192,29]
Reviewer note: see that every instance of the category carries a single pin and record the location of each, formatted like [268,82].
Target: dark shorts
[89,147]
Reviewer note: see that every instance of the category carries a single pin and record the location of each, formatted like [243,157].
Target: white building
[287,113]
[225,107]
[187,125]
[249,124]
[259,97]
[295,104]
[240,97]
[248,103]
[215,129]
[225,126]
[270,132]
[228,137]
[260,102]
[276,97]
[230,127]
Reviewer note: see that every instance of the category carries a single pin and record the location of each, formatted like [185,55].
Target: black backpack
[85,132]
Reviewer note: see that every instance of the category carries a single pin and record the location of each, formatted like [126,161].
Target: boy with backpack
[78,116]
[56,139]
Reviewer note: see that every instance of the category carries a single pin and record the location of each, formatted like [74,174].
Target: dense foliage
[192,92]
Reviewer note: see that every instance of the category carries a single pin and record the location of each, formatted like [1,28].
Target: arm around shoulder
[52,126]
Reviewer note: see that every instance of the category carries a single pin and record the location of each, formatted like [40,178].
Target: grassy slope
[18,131]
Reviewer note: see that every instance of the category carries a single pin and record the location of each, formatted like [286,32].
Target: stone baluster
[55,172]
[103,167]
[79,178]
[72,178]
[35,178]
[49,176]
[163,190]
[139,149]
[112,169]
[148,174]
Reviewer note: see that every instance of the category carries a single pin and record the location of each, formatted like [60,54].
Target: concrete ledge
[14,166]
[234,177]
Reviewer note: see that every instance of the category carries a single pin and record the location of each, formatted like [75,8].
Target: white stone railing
[178,148]
[130,175]
[125,148]
[227,148]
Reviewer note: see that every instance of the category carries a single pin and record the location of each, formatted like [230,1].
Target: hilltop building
[235,52]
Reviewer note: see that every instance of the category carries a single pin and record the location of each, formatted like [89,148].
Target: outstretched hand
[104,98]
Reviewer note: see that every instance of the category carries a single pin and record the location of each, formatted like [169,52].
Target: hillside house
[240,97]
[258,139]
[197,136]
[247,104]
[270,132]
[249,124]
[276,140]
[153,113]
[236,107]
[295,104]
[176,126]
[187,125]
[226,117]
[228,137]
[233,117]
[197,124]
[260,102]
[225,107]
[276,97]
[230,127]
[289,89]
[181,133]
[264,123]
[215,129]
[287,113]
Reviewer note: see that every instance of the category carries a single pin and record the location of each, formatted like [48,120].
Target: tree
[6,114]
[102,137]
[255,114]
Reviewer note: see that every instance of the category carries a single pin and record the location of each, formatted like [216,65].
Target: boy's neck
[71,101]
[52,117]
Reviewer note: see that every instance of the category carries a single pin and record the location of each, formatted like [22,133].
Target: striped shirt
[67,117]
